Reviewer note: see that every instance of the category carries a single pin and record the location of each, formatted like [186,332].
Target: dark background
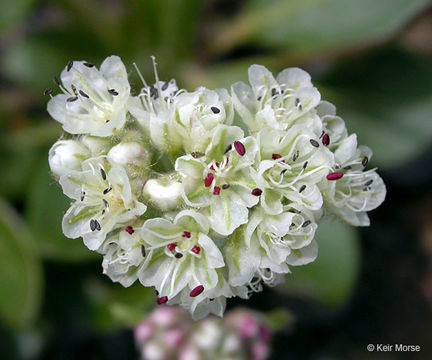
[372,58]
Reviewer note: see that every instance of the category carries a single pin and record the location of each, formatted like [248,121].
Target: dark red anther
[239,148]
[196,249]
[129,230]
[276,156]
[178,255]
[171,246]
[216,190]
[212,167]
[334,176]
[208,180]
[256,192]
[186,234]
[326,139]
[162,300]
[156,292]
[198,290]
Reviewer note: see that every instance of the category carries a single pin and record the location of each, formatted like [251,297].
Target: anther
[239,148]
[129,230]
[113,92]
[208,180]
[225,186]
[228,148]
[295,155]
[48,91]
[171,246]
[97,225]
[92,225]
[197,154]
[302,188]
[103,174]
[82,93]
[196,249]
[165,86]
[162,300]
[276,156]
[178,255]
[215,110]
[198,290]
[143,251]
[216,190]
[314,143]
[306,223]
[56,81]
[89,65]
[256,192]
[72,99]
[369,182]
[74,90]
[305,165]
[322,134]
[107,190]
[326,140]
[365,161]
[273,92]
[347,167]
[334,176]
[259,98]
[69,65]
[105,203]
[186,234]
[153,92]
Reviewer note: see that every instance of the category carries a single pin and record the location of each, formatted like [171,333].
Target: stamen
[178,255]
[69,65]
[113,92]
[107,190]
[56,81]
[89,65]
[196,249]
[365,161]
[216,190]
[225,186]
[103,174]
[273,92]
[334,176]
[143,251]
[276,156]
[129,230]
[314,143]
[162,300]
[92,225]
[215,110]
[296,102]
[198,290]
[326,140]
[208,180]
[369,182]
[72,99]
[165,86]
[105,203]
[171,246]
[306,223]
[82,93]
[347,167]
[295,155]
[186,234]
[302,188]
[74,90]
[259,98]
[256,192]
[322,134]
[239,148]
[98,226]
[305,165]
[228,148]
[48,91]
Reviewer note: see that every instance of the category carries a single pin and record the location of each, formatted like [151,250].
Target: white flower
[274,103]
[93,101]
[221,179]
[181,255]
[66,156]
[103,202]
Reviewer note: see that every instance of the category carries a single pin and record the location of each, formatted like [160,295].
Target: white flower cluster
[169,333]
[171,193]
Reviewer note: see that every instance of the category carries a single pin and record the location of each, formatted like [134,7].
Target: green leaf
[317,25]
[386,98]
[329,280]
[46,205]
[20,271]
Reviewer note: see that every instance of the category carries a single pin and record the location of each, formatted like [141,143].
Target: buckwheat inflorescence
[171,193]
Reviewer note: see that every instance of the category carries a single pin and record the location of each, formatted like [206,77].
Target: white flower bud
[130,153]
[66,156]
[96,145]
[163,196]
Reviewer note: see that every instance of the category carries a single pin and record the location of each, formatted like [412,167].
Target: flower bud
[66,156]
[163,195]
[130,153]
[96,145]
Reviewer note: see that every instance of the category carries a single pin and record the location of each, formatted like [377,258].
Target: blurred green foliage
[352,48]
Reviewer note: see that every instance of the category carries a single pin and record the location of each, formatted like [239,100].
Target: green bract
[173,195]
